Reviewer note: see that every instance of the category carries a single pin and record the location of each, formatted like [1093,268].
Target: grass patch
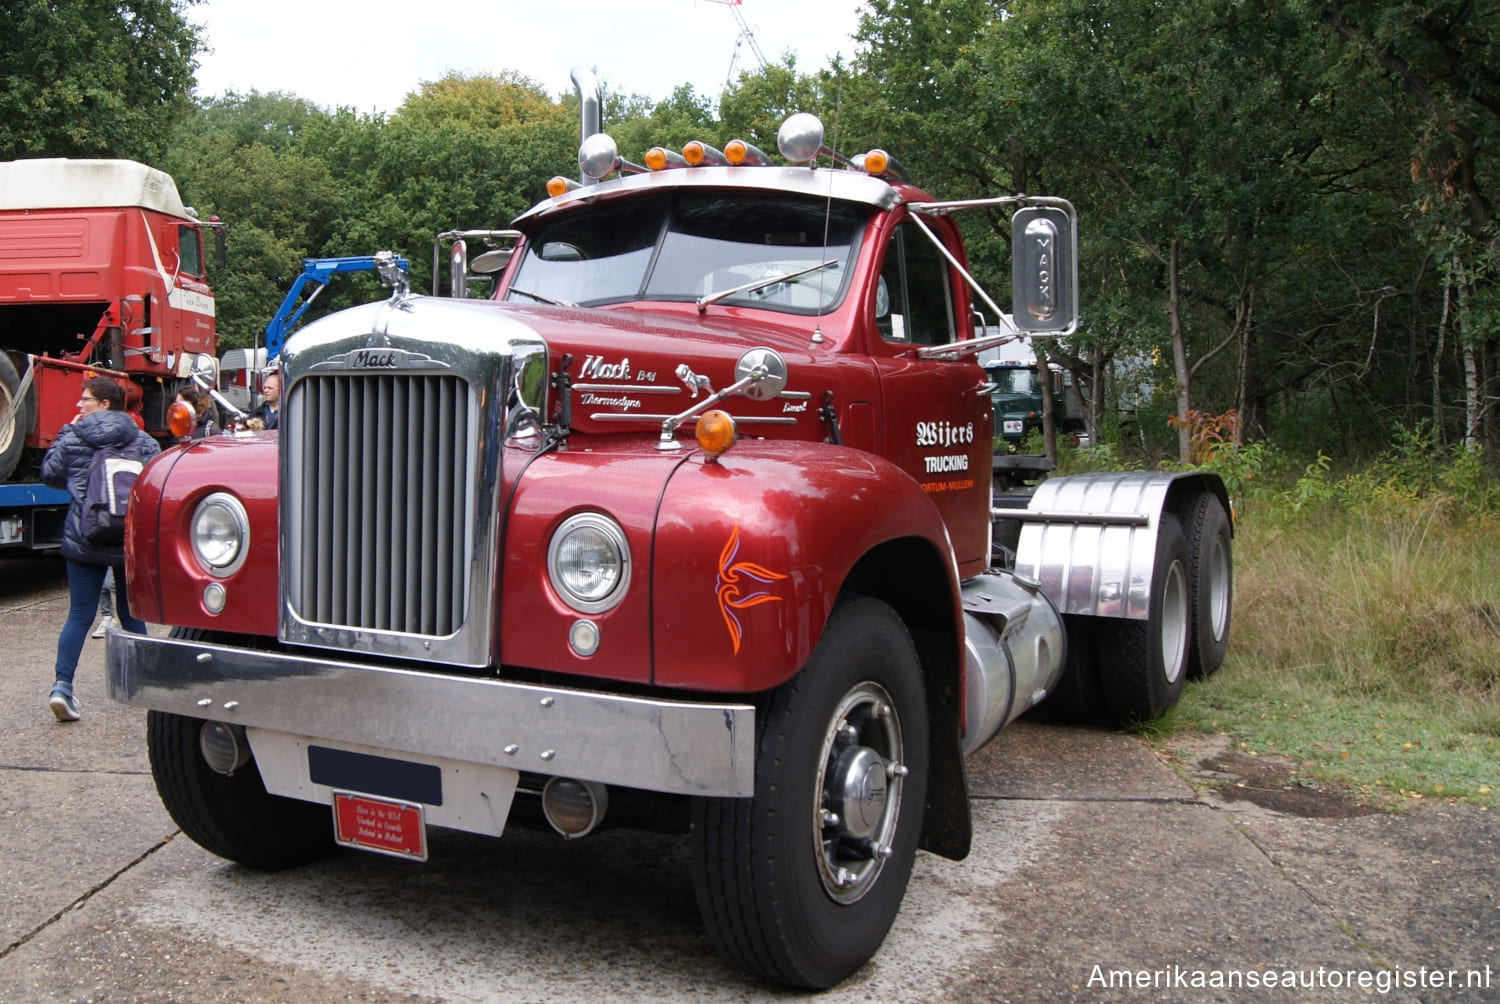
[1365,645]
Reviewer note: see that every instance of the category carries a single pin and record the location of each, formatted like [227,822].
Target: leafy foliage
[92,78]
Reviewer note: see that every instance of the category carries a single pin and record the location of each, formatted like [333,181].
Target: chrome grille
[378,514]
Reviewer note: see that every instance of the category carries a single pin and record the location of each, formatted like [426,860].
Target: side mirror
[1044,269]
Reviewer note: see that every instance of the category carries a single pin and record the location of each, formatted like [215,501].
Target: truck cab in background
[103,271]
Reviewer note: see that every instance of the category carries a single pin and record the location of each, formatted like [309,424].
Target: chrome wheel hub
[858,798]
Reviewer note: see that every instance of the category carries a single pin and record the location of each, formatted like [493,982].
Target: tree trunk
[1473,399]
[1044,381]
[1179,359]
[1437,364]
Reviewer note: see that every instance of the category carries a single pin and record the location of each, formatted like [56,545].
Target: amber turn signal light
[180,419]
[715,432]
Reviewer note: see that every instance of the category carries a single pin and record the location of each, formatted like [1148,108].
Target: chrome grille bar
[377,536]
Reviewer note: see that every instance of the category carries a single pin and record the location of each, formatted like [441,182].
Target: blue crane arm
[316,273]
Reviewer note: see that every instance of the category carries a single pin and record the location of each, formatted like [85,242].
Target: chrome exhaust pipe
[587,86]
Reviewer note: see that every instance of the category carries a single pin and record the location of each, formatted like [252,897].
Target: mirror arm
[220,399]
[669,425]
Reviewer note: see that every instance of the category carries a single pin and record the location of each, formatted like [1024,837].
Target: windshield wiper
[539,296]
[706,299]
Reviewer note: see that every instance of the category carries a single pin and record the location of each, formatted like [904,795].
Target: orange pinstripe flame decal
[730,584]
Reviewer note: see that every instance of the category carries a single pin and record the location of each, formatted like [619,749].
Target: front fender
[164,581]
[752,550]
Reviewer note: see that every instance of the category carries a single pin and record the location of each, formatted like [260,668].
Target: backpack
[111,473]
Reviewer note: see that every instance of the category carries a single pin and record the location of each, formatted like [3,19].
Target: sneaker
[64,706]
[105,623]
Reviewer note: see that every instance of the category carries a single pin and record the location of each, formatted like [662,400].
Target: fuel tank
[1014,649]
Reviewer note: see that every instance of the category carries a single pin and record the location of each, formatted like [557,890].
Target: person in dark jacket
[101,421]
[269,411]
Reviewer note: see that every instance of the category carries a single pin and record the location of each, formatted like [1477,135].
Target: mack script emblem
[380,359]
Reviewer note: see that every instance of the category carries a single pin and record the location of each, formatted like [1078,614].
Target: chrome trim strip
[613,416]
[678,747]
[1056,516]
[625,388]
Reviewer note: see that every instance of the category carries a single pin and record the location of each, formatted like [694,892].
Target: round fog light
[224,747]
[213,598]
[574,808]
[583,637]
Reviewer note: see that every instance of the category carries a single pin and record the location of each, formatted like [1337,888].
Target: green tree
[91,78]
[1444,58]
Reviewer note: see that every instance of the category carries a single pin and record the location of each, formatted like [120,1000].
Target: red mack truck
[690,527]
[101,272]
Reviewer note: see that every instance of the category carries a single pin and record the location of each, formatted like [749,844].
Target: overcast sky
[368,56]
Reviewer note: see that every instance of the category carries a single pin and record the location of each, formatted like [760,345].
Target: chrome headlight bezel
[608,536]
[224,555]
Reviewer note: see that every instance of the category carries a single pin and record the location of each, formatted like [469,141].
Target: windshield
[692,245]
[1015,381]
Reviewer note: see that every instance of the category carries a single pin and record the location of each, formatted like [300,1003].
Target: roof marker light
[659,158]
[559,185]
[738,152]
[699,154]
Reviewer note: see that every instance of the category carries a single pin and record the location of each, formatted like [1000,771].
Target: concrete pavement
[1100,872]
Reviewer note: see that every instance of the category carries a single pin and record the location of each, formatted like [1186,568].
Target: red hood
[625,360]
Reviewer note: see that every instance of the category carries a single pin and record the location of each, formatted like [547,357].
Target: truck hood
[631,368]
[628,368]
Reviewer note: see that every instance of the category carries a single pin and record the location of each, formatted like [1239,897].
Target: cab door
[938,421]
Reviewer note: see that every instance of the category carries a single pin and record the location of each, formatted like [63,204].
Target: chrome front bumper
[678,747]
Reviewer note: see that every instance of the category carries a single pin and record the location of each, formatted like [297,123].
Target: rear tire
[1145,662]
[1078,697]
[800,883]
[1211,581]
[13,434]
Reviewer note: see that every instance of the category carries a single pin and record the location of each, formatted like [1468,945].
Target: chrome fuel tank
[1014,648]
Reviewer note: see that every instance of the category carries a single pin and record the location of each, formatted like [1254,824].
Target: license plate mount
[382,825]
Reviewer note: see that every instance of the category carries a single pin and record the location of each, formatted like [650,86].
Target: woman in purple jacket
[101,421]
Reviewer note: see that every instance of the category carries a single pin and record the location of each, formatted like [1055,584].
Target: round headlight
[220,534]
[589,563]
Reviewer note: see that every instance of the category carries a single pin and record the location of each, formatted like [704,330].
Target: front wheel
[800,883]
[231,815]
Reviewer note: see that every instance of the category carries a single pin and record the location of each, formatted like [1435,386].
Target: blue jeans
[84,584]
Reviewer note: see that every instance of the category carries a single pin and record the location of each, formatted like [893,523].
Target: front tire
[1146,661]
[231,816]
[800,883]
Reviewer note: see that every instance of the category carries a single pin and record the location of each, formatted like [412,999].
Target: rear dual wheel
[1211,581]
[800,883]
[1145,662]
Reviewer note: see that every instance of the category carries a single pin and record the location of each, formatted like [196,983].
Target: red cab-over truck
[690,526]
[101,273]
